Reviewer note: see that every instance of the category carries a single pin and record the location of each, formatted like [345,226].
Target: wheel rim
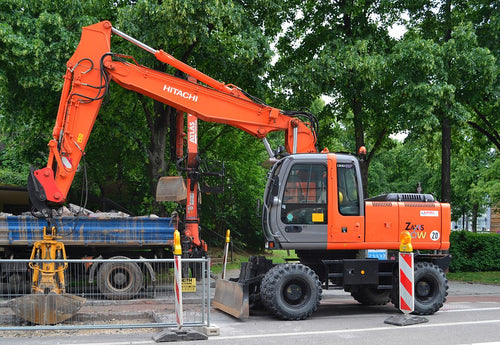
[119,279]
[296,292]
[425,289]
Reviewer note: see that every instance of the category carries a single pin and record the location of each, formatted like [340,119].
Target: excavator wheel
[291,291]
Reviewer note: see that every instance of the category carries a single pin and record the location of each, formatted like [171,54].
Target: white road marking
[341,331]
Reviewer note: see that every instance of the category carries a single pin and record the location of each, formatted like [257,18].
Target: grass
[476,277]
[278,256]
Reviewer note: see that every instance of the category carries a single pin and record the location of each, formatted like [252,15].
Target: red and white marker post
[179,334]
[226,250]
[406,285]
[178,279]
[406,275]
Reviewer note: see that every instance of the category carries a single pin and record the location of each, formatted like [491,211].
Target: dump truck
[106,236]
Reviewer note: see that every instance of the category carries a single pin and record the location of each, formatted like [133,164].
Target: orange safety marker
[179,334]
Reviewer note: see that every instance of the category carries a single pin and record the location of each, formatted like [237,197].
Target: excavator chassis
[48,302]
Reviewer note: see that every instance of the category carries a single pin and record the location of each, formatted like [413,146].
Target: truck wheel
[369,295]
[119,280]
[431,289]
[291,291]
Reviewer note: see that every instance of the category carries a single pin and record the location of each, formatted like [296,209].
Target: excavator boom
[87,78]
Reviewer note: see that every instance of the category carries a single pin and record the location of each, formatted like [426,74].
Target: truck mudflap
[232,298]
[48,309]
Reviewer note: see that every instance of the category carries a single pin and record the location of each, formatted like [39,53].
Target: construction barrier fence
[108,293]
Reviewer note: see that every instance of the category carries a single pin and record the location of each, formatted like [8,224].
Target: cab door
[302,213]
[346,211]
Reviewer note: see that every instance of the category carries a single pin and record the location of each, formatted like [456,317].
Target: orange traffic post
[179,334]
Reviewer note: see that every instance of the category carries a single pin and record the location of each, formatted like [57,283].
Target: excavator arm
[89,72]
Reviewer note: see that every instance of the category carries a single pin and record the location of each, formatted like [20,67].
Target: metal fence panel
[115,293]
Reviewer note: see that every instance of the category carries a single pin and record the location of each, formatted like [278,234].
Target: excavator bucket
[232,298]
[171,188]
[46,309]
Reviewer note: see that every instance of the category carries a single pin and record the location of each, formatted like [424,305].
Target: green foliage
[36,39]
[474,252]
[400,167]
[447,64]
[236,208]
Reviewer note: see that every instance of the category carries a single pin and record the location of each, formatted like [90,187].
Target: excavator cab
[308,193]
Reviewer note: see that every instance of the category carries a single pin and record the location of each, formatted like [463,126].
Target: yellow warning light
[406,242]
[177,243]
[363,272]
[228,236]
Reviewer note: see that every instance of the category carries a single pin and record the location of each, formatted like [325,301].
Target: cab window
[347,184]
[304,199]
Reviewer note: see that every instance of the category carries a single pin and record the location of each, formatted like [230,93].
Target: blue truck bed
[89,231]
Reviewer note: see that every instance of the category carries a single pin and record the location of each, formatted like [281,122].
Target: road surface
[470,316]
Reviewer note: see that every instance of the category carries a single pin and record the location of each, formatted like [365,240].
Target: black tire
[369,295]
[291,291]
[431,289]
[119,280]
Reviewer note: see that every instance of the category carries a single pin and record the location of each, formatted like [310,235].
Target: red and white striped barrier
[406,283]
[178,279]
[226,250]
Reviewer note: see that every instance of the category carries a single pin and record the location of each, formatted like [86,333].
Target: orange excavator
[313,201]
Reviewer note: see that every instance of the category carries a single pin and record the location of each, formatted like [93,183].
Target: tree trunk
[359,135]
[446,125]
[445,159]
[475,209]
[159,124]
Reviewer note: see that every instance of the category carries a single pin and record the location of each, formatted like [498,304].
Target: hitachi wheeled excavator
[313,201]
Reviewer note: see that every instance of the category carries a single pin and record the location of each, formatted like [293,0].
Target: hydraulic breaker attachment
[232,298]
[48,302]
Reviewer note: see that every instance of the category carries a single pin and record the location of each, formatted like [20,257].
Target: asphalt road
[470,316]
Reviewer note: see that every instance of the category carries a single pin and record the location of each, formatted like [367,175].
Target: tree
[450,70]
[438,80]
[341,49]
